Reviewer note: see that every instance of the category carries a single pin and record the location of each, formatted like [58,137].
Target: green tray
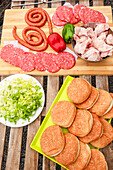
[62,95]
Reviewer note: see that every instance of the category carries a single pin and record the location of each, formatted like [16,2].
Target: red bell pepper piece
[56,42]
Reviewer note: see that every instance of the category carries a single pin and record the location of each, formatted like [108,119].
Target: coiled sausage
[35,17]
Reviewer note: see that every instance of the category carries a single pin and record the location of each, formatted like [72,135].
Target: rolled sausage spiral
[35,18]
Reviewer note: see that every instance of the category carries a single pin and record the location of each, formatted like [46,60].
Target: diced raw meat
[101,45]
[91,33]
[27,63]
[80,31]
[65,13]
[82,39]
[56,21]
[38,61]
[102,36]
[104,54]
[81,47]
[109,39]
[77,8]
[65,60]
[92,54]
[49,62]
[89,15]
[101,28]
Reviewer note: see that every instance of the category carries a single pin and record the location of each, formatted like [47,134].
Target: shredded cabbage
[19,99]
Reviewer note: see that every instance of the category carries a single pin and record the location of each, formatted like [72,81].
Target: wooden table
[15,151]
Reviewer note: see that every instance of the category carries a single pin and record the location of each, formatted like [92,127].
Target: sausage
[30,43]
[35,17]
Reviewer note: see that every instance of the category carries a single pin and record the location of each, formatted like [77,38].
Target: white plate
[22,122]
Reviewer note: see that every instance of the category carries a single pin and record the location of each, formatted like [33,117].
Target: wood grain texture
[98,2]
[84,2]
[2,141]
[14,149]
[31,156]
[13,17]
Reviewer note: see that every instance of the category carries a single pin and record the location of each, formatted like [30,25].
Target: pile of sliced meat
[93,45]
[65,14]
[41,61]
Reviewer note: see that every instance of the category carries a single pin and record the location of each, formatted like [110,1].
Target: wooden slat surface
[16,17]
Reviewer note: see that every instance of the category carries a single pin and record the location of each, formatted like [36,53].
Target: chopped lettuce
[19,99]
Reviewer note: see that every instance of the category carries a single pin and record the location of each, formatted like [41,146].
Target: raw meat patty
[52,140]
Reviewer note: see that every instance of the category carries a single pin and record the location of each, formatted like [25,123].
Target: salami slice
[27,63]
[6,52]
[11,54]
[65,60]
[56,21]
[49,62]
[16,56]
[65,13]
[38,61]
[77,8]
[89,15]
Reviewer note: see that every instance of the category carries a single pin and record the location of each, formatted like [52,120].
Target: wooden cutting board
[16,17]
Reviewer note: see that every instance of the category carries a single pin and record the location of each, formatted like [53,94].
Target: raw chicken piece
[101,46]
[80,31]
[104,54]
[92,54]
[91,33]
[109,39]
[81,47]
[80,39]
[102,36]
[101,28]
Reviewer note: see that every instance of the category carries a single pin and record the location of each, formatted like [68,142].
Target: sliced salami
[6,52]
[56,21]
[77,8]
[49,62]
[65,60]
[74,20]
[38,61]
[27,63]
[11,54]
[65,13]
[16,56]
[89,15]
